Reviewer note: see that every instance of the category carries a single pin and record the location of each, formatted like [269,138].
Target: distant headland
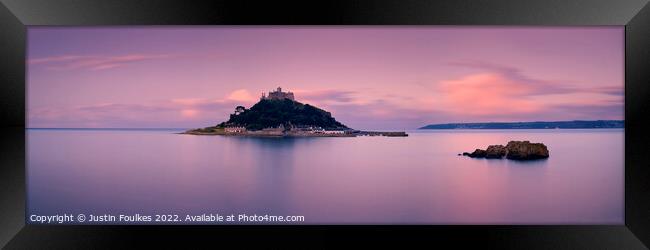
[279,114]
[532,125]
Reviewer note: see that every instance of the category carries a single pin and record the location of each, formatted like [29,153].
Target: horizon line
[534,121]
[150,128]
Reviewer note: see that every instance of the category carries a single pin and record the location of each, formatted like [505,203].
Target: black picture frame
[16,15]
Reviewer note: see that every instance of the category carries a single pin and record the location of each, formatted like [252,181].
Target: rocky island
[279,114]
[514,150]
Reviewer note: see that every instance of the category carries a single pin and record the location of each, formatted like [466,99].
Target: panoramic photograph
[325,125]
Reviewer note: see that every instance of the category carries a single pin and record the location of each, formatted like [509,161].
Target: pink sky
[367,77]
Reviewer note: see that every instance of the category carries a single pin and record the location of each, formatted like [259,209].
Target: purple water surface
[417,179]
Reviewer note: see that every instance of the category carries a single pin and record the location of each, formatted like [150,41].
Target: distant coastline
[577,124]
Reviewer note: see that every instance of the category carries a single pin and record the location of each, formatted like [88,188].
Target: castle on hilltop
[278,95]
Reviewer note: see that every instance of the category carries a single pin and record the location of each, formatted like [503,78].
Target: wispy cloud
[486,94]
[537,86]
[241,95]
[179,112]
[328,96]
[69,62]
[501,91]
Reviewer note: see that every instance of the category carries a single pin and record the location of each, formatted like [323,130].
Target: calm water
[370,180]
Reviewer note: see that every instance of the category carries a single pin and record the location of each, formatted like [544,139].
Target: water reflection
[419,179]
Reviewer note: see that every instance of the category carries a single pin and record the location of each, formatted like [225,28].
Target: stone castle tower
[278,95]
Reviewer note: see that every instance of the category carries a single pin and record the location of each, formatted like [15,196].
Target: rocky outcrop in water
[478,153]
[514,150]
[524,150]
[495,151]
